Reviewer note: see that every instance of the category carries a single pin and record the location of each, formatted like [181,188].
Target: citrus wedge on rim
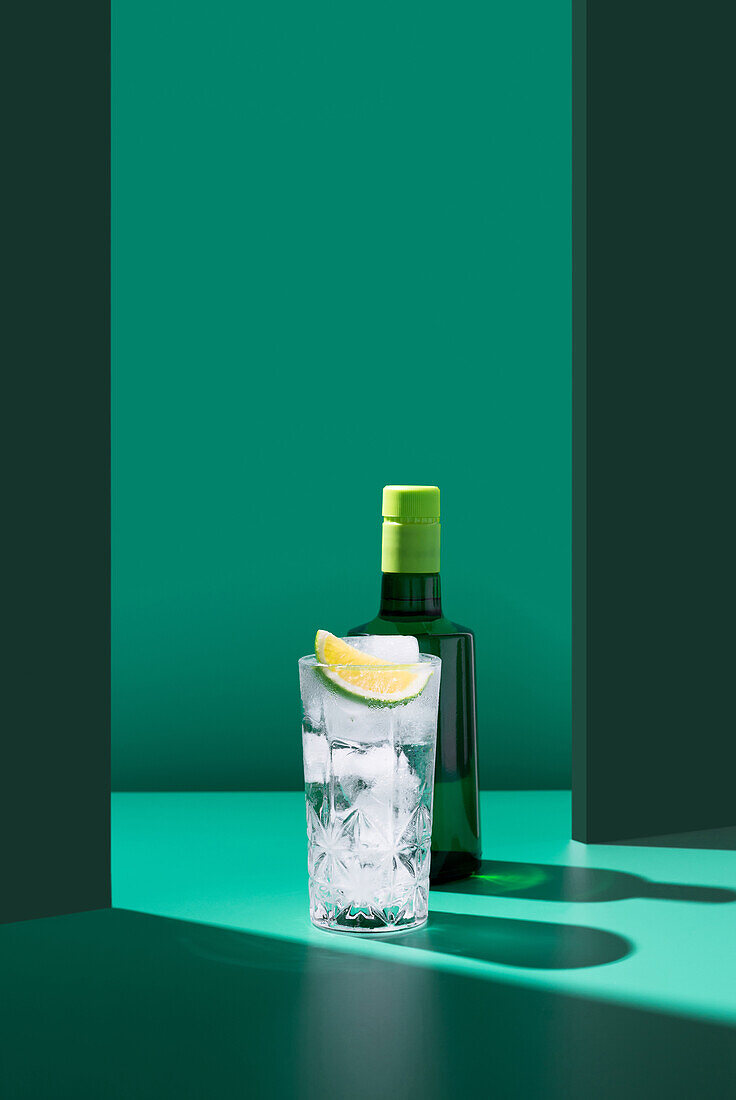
[366,677]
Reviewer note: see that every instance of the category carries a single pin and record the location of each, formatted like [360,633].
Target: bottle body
[410,604]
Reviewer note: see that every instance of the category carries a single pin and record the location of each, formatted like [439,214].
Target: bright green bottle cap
[411,529]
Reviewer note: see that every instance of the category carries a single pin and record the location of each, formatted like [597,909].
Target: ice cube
[416,724]
[355,769]
[369,765]
[353,719]
[312,699]
[316,757]
[398,787]
[374,819]
[397,648]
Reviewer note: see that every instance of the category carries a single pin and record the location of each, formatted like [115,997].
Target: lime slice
[371,679]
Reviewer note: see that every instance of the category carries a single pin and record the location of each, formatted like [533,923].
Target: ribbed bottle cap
[411,529]
[404,503]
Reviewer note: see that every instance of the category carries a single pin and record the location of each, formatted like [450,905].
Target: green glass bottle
[411,604]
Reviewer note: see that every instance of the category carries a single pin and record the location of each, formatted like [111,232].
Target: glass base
[334,912]
[372,928]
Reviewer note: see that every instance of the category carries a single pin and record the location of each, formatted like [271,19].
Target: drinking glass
[368,774]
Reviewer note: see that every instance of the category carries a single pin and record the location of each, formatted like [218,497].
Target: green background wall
[341,257]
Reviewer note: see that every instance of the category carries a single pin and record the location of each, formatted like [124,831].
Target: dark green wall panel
[654,548]
[55,700]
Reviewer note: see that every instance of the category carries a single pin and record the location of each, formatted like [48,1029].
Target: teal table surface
[649,926]
[560,971]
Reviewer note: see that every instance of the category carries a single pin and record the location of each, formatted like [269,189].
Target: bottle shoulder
[441,627]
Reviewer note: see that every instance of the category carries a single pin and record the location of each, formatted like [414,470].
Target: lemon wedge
[366,677]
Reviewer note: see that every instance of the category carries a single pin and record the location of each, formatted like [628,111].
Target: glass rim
[309,660]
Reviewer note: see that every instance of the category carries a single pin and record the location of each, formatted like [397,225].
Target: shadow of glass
[121,1004]
[538,945]
[551,882]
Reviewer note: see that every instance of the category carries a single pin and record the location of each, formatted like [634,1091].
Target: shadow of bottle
[539,945]
[551,882]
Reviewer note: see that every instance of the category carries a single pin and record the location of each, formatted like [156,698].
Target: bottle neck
[411,595]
